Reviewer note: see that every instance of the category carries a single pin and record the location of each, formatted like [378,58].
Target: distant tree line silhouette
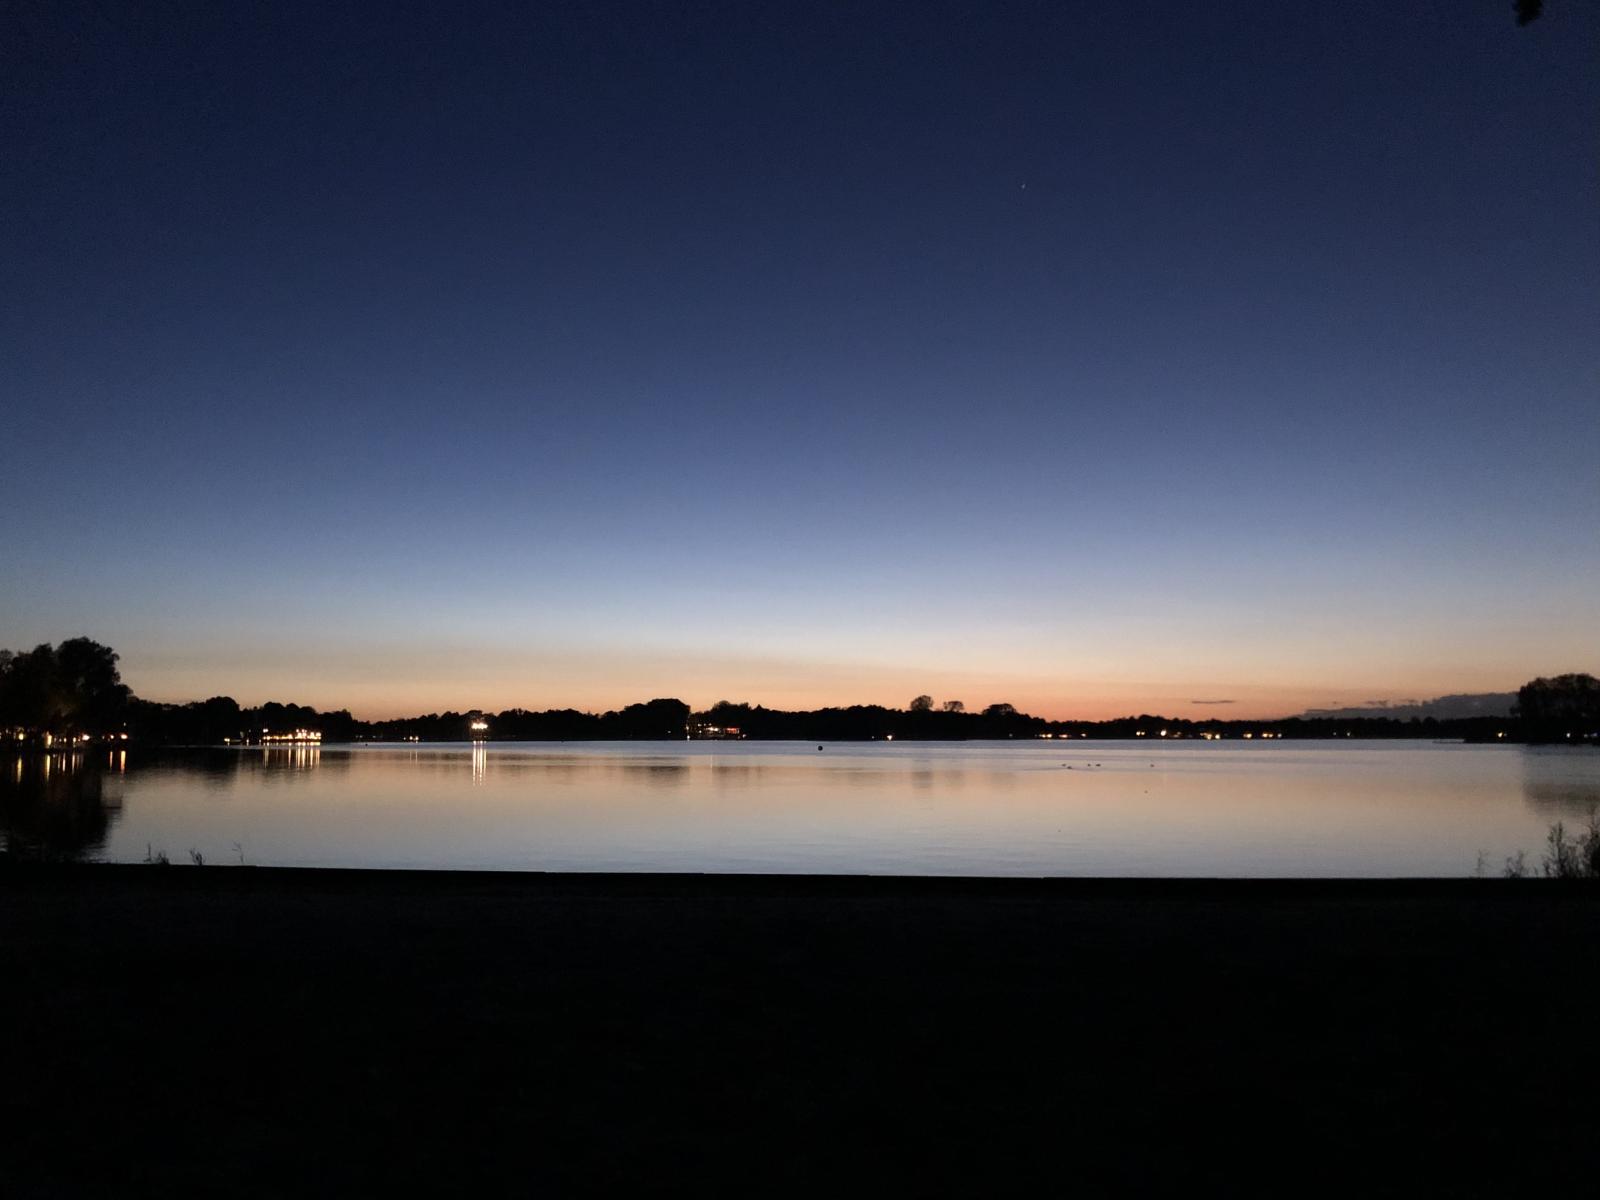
[208,722]
[75,688]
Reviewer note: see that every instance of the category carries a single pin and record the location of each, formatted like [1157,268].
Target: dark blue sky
[1091,357]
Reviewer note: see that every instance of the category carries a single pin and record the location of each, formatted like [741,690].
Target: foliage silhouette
[67,689]
[1572,857]
[1563,709]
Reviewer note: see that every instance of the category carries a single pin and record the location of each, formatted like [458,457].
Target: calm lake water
[1045,808]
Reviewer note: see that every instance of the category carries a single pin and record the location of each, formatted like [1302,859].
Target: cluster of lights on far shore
[1208,735]
[72,739]
[1205,735]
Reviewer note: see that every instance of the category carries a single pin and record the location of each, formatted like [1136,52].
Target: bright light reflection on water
[1079,808]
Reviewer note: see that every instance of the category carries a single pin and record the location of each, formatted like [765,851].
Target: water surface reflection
[1287,808]
[60,806]
[1561,781]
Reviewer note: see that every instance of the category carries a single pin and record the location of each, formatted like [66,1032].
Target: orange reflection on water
[296,756]
[1044,808]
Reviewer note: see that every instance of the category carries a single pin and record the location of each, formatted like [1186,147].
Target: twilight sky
[1093,357]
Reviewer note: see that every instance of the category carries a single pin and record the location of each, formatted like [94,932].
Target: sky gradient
[1095,358]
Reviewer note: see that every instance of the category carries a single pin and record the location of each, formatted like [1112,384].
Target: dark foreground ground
[265,1032]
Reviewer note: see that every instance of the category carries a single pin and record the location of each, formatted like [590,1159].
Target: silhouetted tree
[28,695]
[655,719]
[922,704]
[954,706]
[1560,709]
[69,688]
[87,674]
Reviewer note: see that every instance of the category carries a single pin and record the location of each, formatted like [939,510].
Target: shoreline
[294,1029]
[185,877]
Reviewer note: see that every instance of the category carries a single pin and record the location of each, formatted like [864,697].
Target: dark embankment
[251,1031]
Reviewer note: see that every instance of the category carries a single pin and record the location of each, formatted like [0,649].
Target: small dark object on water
[819,747]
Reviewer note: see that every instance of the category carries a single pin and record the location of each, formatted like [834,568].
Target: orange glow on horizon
[1085,703]
[380,681]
